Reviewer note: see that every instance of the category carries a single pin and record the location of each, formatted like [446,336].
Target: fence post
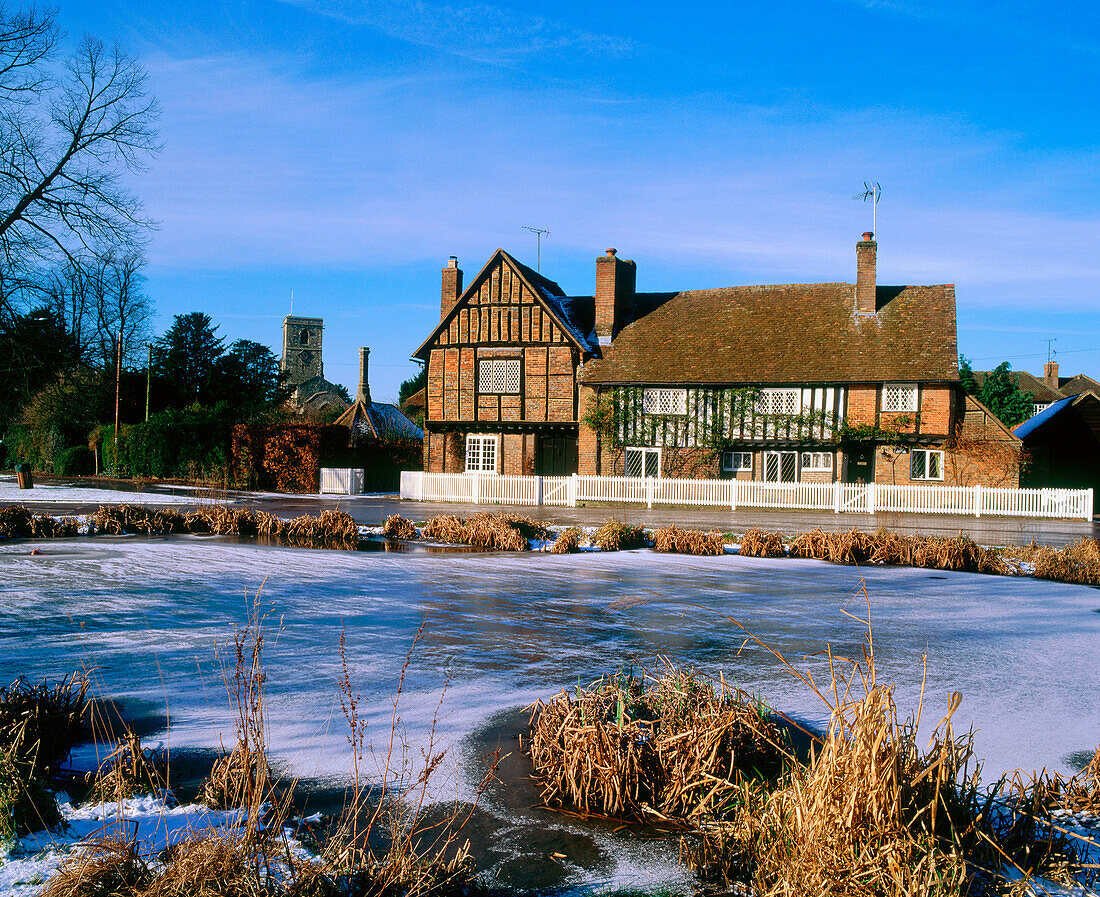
[838,496]
[733,492]
[1088,503]
[538,491]
[977,500]
[649,484]
[871,496]
[571,491]
[477,488]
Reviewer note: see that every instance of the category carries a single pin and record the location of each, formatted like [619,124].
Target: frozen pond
[506,629]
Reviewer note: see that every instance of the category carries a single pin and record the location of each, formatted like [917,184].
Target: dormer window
[664,402]
[899,397]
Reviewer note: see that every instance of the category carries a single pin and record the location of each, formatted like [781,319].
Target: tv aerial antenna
[538,232]
[1051,351]
[872,190]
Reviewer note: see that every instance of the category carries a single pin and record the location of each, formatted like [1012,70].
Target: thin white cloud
[477,31]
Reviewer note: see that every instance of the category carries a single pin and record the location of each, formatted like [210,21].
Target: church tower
[302,349]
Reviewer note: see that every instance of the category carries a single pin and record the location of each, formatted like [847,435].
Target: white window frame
[899,397]
[499,376]
[664,402]
[476,444]
[645,452]
[1039,407]
[816,461]
[777,401]
[732,462]
[926,464]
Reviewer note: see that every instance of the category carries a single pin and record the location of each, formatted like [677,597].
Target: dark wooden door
[557,456]
[860,464]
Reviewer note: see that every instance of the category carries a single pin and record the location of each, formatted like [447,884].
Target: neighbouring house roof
[379,419]
[417,401]
[1040,392]
[1032,424]
[1081,383]
[794,333]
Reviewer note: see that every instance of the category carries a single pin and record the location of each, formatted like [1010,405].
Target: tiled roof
[795,333]
[379,419]
[1040,392]
[1074,386]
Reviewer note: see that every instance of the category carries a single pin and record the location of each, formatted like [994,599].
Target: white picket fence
[487,489]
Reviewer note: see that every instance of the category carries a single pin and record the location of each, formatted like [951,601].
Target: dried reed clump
[615,535]
[1045,793]
[760,543]
[117,520]
[128,770]
[237,778]
[677,749]
[1079,562]
[857,547]
[398,527]
[568,541]
[18,522]
[486,532]
[329,529]
[446,528]
[871,813]
[43,721]
[688,541]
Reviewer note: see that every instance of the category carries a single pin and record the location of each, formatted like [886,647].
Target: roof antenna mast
[538,232]
[872,190]
[1051,351]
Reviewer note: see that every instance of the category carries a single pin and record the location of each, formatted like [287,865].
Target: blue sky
[342,149]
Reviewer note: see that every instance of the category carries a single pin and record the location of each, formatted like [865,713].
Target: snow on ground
[68,494]
[156,825]
[500,631]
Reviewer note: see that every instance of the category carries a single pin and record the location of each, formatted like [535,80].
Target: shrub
[74,462]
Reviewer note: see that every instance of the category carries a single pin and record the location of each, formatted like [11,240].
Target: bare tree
[69,130]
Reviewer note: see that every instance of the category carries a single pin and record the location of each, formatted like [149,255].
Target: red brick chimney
[616,279]
[1050,374]
[866,254]
[452,286]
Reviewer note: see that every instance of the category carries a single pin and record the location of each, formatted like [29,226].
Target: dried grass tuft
[398,527]
[673,540]
[128,770]
[677,749]
[760,543]
[110,867]
[486,532]
[615,535]
[17,522]
[568,541]
[43,721]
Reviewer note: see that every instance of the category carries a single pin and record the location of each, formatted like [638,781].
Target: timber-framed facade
[790,383]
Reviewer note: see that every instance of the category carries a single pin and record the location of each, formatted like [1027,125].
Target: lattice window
[643,462]
[817,460]
[500,375]
[481,453]
[734,461]
[1040,407]
[664,401]
[925,464]
[779,401]
[899,397]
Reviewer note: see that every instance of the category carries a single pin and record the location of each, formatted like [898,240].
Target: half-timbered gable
[502,366]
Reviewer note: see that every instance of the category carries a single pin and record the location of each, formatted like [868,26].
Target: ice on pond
[499,631]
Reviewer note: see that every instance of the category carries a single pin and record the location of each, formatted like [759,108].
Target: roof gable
[542,290]
[793,333]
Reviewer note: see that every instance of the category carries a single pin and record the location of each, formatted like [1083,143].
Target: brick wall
[862,405]
[982,451]
[935,410]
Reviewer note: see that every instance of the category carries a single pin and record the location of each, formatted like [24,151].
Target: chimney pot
[867,236]
[611,253]
[452,262]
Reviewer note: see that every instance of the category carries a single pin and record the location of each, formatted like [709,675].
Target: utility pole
[118,384]
[148,378]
